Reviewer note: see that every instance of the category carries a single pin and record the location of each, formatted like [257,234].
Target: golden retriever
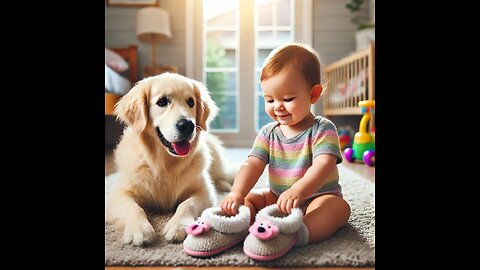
[166,159]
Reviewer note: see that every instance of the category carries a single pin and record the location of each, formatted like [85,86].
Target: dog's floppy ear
[206,109]
[133,107]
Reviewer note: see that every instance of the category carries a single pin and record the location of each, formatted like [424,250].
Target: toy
[345,136]
[363,148]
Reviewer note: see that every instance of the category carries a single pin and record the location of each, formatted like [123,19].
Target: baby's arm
[311,181]
[246,178]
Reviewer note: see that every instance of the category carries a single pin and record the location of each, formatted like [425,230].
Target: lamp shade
[153,22]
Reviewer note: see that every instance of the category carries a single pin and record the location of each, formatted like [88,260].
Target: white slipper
[214,232]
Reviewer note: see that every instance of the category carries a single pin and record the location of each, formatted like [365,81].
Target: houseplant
[365,26]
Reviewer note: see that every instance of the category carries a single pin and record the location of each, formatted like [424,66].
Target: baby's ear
[316,93]
[132,108]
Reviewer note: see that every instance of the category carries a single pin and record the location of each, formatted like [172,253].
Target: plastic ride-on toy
[363,147]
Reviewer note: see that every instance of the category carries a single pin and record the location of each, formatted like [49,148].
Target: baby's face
[287,96]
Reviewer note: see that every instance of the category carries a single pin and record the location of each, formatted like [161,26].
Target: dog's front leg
[137,229]
[186,213]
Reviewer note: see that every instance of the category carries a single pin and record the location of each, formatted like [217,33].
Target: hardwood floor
[360,168]
[367,172]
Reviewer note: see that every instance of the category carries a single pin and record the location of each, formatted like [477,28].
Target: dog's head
[172,106]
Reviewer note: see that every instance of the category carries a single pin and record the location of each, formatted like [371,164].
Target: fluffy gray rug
[352,245]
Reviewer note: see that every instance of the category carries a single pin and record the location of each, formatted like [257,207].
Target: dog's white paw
[139,234]
[174,231]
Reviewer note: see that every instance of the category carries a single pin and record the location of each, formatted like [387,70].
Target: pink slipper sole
[271,257]
[214,251]
[213,232]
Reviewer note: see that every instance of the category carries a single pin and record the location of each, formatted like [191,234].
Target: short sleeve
[326,140]
[261,146]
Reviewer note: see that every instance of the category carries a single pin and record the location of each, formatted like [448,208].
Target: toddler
[301,149]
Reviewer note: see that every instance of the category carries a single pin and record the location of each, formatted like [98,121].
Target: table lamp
[153,25]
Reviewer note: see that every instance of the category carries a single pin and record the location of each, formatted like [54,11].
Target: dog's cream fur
[151,176]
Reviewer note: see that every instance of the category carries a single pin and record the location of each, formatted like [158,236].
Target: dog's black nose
[185,127]
[261,229]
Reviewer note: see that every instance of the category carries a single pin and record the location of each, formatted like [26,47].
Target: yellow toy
[363,147]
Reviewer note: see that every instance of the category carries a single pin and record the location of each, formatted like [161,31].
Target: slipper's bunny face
[264,230]
[198,227]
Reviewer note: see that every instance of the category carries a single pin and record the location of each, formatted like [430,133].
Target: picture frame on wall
[132,3]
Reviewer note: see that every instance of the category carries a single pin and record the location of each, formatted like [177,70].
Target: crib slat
[363,78]
[343,111]
[371,71]
[350,80]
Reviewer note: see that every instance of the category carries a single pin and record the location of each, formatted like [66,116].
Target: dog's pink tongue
[182,148]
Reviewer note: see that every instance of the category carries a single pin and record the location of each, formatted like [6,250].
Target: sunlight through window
[221,46]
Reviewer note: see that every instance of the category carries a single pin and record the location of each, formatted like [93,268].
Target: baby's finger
[288,206]
[284,206]
[281,205]
[296,203]
[229,207]
[226,209]
[224,206]
[234,208]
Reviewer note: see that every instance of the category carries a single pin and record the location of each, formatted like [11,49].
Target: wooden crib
[348,81]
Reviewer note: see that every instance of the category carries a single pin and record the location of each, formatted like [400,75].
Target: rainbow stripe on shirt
[289,158]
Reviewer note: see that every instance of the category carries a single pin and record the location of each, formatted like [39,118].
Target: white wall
[333,33]
[120,28]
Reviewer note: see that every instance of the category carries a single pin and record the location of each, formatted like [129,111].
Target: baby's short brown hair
[302,57]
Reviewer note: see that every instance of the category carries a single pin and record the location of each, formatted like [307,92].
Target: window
[273,27]
[227,42]
[220,65]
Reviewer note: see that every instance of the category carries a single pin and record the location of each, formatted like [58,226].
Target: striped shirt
[289,158]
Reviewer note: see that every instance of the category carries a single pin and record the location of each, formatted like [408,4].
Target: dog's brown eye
[162,102]
[190,102]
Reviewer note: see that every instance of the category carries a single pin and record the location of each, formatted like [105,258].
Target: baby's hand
[231,202]
[289,199]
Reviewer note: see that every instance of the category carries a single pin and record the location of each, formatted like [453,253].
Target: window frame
[245,133]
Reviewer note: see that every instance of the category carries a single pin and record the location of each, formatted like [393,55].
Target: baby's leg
[324,216]
[257,200]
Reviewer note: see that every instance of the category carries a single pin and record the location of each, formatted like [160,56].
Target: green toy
[363,147]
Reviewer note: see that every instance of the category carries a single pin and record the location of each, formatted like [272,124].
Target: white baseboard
[237,143]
